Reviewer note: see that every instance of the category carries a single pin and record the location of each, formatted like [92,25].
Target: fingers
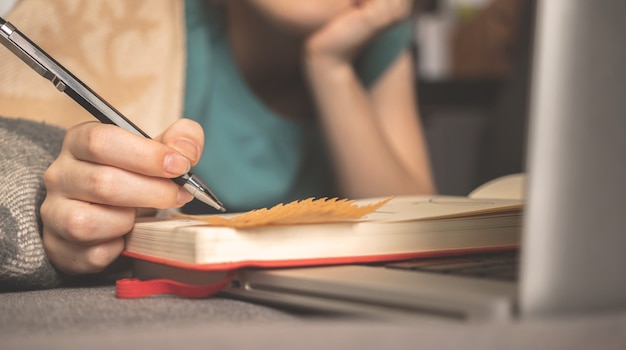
[380,14]
[342,38]
[111,145]
[85,223]
[107,165]
[74,259]
[81,237]
[185,136]
[109,185]
[101,176]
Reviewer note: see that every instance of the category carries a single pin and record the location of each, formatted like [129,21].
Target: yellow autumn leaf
[307,211]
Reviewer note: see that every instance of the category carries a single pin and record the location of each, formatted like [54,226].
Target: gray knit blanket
[26,150]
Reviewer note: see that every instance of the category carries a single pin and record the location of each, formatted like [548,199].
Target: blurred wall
[473,89]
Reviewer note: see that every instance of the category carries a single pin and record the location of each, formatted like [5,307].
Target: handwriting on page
[308,211]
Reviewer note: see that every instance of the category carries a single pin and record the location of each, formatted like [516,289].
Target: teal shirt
[252,157]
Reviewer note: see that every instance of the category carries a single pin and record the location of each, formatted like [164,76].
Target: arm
[375,136]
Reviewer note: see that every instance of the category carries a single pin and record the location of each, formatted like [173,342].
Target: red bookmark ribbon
[131,288]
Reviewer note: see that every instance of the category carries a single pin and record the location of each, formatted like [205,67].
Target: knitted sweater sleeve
[27,149]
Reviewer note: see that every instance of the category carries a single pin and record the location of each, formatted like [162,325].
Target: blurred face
[300,17]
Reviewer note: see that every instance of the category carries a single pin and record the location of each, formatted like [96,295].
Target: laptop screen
[574,248]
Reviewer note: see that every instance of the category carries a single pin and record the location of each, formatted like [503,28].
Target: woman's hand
[100,178]
[342,37]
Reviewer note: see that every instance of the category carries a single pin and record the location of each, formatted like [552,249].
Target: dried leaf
[308,211]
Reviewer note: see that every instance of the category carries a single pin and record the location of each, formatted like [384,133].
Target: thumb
[186,137]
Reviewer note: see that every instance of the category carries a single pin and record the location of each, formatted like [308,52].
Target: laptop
[574,233]
[573,251]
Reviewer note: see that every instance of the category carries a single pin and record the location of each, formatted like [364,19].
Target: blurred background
[473,65]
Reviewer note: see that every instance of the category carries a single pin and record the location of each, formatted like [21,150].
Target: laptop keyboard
[497,266]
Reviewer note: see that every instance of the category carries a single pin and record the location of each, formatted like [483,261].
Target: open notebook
[330,231]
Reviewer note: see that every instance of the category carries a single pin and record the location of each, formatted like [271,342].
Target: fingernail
[176,164]
[186,147]
[184,197]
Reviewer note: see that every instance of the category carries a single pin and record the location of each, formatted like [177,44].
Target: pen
[66,82]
